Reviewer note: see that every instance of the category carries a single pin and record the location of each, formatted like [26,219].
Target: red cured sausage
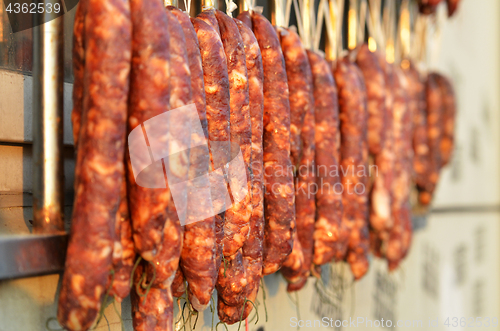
[198,257]
[195,65]
[301,101]
[354,162]
[164,265]
[178,285]
[400,234]
[159,274]
[430,2]
[253,246]
[100,156]
[418,105]
[434,135]
[236,226]
[305,205]
[216,84]
[427,7]
[293,268]
[209,17]
[123,250]
[156,309]
[330,241]
[381,195]
[452,6]
[246,18]
[279,208]
[298,73]
[149,97]
[375,89]
[449,111]
[378,128]
[153,311]
[78,53]
[232,282]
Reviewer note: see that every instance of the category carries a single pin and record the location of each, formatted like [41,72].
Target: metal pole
[331,43]
[209,4]
[195,8]
[48,75]
[277,10]
[308,10]
[170,3]
[243,6]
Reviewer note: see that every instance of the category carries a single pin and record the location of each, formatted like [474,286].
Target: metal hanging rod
[44,251]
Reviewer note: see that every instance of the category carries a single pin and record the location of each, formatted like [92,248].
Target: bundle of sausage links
[307,130]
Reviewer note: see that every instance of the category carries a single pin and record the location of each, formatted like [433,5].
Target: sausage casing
[216,84]
[400,234]
[449,111]
[123,250]
[328,237]
[354,157]
[378,130]
[300,86]
[236,225]
[279,207]
[253,246]
[198,257]
[100,156]
[418,104]
[434,112]
[149,97]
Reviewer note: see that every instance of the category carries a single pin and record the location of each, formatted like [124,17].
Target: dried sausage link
[375,89]
[232,281]
[153,311]
[279,207]
[434,112]
[305,204]
[100,157]
[208,16]
[253,246]
[165,264]
[216,84]
[449,110]
[383,182]
[378,130]
[452,7]
[298,73]
[354,157]
[236,226]
[123,250]
[417,104]
[198,256]
[246,18]
[149,97]
[195,65]
[300,86]
[427,7]
[293,268]
[329,239]
[400,234]
[178,285]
